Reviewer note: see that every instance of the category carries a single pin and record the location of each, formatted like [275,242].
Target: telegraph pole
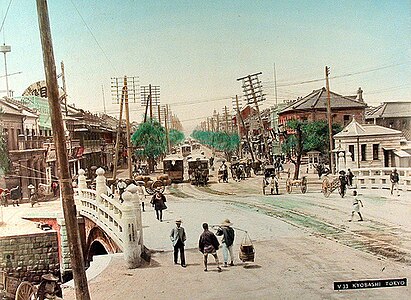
[63,78]
[245,128]
[118,137]
[67,193]
[128,133]
[151,101]
[329,118]
[226,119]
[166,127]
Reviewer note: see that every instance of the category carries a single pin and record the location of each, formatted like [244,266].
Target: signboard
[41,105]
[38,89]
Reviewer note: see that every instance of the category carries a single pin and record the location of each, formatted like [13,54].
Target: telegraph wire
[5,16]
[94,37]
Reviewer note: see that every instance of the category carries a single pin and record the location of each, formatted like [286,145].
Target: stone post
[81,180]
[341,162]
[101,187]
[348,160]
[132,228]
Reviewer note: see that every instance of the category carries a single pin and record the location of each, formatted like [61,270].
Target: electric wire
[94,37]
[5,16]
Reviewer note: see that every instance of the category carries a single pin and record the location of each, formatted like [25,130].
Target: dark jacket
[159,204]
[228,235]
[207,238]
[394,177]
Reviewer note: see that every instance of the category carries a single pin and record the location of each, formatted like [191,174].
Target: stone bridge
[109,225]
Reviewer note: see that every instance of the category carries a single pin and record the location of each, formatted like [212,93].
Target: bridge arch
[98,242]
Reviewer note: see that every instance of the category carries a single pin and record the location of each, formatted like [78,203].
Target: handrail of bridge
[104,211]
[121,221]
[379,178]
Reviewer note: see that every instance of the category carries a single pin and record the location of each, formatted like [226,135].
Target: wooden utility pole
[67,193]
[329,118]
[259,115]
[226,118]
[208,124]
[117,148]
[166,127]
[128,131]
[246,130]
[218,122]
[159,113]
[151,101]
[63,78]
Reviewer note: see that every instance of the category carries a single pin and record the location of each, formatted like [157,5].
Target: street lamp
[6,49]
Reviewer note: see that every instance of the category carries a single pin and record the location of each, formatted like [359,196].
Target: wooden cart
[330,184]
[14,288]
[301,183]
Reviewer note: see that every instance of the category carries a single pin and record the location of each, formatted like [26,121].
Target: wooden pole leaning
[67,193]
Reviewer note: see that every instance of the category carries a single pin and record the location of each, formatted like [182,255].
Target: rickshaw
[270,179]
[174,167]
[185,150]
[198,170]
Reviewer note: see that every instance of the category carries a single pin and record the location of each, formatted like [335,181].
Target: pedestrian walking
[178,237]
[343,183]
[34,199]
[224,170]
[394,178]
[15,195]
[208,244]
[158,201]
[350,177]
[55,188]
[356,207]
[121,187]
[3,197]
[227,241]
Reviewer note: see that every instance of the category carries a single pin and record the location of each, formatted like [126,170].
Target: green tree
[307,136]
[150,140]
[176,137]
[222,141]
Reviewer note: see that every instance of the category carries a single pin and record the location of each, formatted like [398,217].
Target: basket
[247,251]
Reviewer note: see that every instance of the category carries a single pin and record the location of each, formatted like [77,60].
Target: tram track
[377,238]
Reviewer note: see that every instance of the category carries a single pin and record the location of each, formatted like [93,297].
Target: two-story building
[313,107]
[25,146]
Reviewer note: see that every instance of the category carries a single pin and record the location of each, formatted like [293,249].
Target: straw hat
[179,221]
[226,222]
[50,277]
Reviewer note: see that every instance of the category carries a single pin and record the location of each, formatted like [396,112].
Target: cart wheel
[304,185]
[289,185]
[326,188]
[158,186]
[25,291]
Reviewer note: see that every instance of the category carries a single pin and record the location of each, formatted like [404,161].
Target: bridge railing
[121,221]
[104,211]
[379,178]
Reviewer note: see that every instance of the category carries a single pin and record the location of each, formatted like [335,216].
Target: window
[351,150]
[363,150]
[375,150]
[346,119]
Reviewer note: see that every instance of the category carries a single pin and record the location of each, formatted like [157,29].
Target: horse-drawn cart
[14,288]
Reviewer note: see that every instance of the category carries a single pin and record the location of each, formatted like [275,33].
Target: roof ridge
[318,98]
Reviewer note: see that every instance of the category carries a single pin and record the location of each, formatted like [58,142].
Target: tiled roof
[355,129]
[390,110]
[317,99]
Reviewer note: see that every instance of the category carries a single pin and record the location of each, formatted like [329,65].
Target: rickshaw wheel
[25,291]
[303,185]
[326,189]
[289,185]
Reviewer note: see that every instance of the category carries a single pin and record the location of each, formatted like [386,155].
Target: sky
[196,50]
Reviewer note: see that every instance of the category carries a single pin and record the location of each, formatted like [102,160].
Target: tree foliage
[176,137]
[222,141]
[307,136]
[150,140]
